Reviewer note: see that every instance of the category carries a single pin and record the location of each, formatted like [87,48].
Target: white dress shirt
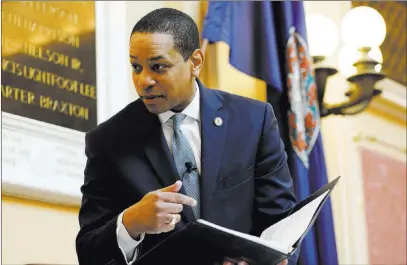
[190,128]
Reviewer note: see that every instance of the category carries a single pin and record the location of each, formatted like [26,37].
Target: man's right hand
[154,213]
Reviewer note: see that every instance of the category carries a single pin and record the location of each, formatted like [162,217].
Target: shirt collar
[192,110]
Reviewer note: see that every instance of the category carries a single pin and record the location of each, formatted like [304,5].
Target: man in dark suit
[178,153]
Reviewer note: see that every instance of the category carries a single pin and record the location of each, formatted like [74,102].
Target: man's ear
[197,60]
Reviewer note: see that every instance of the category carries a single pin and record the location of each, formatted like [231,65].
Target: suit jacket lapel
[160,158]
[159,155]
[213,140]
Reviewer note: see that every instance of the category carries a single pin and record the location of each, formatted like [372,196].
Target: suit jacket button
[218,121]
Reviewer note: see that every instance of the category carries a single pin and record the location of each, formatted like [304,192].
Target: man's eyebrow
[155,58]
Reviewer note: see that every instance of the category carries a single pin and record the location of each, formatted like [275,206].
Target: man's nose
[145,81]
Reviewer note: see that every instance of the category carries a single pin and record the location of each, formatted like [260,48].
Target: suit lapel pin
[218,121]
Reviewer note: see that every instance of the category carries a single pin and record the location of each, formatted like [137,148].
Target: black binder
[201,244]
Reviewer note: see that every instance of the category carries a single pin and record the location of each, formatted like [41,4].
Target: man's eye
[158,67]
[136,68]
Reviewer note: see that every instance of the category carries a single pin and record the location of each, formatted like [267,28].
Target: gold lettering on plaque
[64,107]
[17,94]
[49,78]
[54,34]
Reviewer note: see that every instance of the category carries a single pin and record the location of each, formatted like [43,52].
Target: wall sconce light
[363,31]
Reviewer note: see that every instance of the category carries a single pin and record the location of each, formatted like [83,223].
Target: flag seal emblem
[303,113]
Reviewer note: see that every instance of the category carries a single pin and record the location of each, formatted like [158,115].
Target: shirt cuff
[126,243]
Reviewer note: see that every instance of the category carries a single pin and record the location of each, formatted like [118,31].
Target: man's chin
[154,109]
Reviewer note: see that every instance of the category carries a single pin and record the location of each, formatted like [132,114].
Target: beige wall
[343,138]
[34,232]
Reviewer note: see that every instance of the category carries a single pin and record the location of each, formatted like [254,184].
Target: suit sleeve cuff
[126,243]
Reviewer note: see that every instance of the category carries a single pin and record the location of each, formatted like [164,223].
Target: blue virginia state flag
[268,41]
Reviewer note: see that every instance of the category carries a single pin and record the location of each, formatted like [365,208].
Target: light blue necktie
[183,155]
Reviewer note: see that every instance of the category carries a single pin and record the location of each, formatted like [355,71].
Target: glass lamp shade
[363,27]
[323,35]
[349,55]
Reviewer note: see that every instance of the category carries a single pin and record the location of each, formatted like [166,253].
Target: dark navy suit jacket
[246,184]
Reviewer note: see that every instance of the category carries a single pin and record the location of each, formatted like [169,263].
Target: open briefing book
[208,243]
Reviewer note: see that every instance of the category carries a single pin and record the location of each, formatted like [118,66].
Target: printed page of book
[287,231]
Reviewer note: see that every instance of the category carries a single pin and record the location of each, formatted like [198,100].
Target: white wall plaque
[41,161]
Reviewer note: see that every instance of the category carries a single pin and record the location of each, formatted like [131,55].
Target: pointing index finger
[177,198]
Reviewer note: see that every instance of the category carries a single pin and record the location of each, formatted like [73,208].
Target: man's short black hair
[172,21]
